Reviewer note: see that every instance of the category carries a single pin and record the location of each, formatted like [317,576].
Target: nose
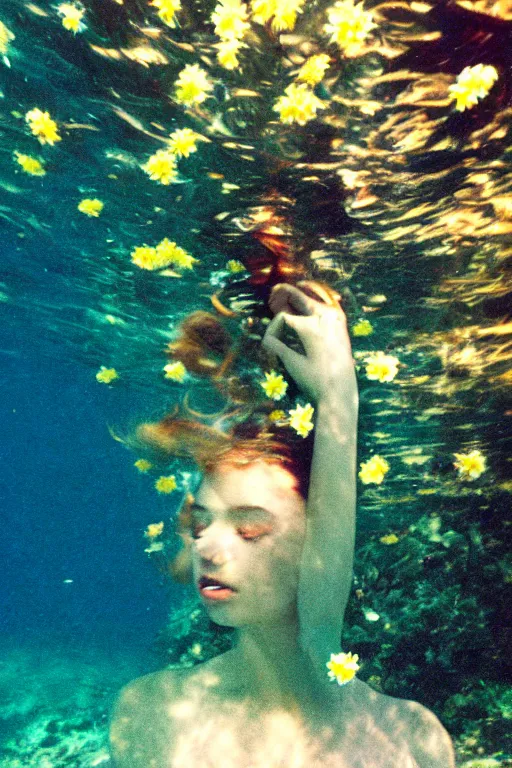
[214,548]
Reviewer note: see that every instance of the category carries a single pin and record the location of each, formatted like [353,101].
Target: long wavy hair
[248,428]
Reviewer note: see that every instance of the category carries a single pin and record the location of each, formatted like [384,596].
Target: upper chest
[228,734]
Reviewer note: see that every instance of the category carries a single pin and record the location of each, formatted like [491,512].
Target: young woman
[275,562]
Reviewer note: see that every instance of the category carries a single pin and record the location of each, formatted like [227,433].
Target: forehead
[257,484]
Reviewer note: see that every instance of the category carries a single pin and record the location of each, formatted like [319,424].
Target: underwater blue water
[73,511]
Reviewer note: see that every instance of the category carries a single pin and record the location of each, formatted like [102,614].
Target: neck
[276,672]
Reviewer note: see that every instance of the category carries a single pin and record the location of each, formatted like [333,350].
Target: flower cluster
[230,19]
[472,84]
[163,255]
[143,465]
[313,70]
[274,385]
[470,465]
[298,105]
[373,470]
[106,375]
[381,367]
[167,10]
[183,142]
[153,530]
[162,167]
[234,266]
[166,484]
[342,667]
[192,85]
[282,12]
[362,328]
[301,419]
[91,207]
[349,25]
[42,126]
[30,165]
[175,371]
[72,16]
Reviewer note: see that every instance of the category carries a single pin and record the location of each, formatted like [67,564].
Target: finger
[291,360]
[275,326]
[290,299]
[273,344]
[302,325]
[321,293]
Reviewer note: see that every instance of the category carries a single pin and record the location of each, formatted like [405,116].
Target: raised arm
[326,375]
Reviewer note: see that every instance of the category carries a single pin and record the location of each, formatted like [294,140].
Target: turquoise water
[391,196]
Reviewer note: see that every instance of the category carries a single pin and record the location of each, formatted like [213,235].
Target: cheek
[282,564]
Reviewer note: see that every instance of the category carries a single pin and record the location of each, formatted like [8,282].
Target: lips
[213,589]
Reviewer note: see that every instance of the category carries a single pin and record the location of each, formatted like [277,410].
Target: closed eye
[247,532]
[253,533]
[197,529]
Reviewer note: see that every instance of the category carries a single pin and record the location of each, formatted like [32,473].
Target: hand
[327,368]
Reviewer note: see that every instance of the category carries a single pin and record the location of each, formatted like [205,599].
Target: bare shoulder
[151,711]
[138,721]
[416,727]
[431,744]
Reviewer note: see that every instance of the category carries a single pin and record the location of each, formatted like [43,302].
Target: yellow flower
[300,419]
[285,14]
[234,266]
[42,126]
[169,253]
[153,530]
[72,17]
[381,367]
[470,465]
[5,38]
[313,70]
[299,105]
[183,142]
[167,10]
[263,10]
[161,167]
[175,371]
[472,84]
[342,667]
[30,164]
[146,257]
[348,25]
[390,538]
[91,207]
[274,385]
[192,85]
[362,328]
[106,375]
[227,52]
[277,415]
[166,484]
[230,19]
[373,470]
[143,465]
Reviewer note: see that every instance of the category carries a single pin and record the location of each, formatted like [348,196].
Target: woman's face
[248,526]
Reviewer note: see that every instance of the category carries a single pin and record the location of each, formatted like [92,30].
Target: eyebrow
[246,510]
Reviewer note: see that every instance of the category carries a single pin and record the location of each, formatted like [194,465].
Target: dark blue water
[73,509]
